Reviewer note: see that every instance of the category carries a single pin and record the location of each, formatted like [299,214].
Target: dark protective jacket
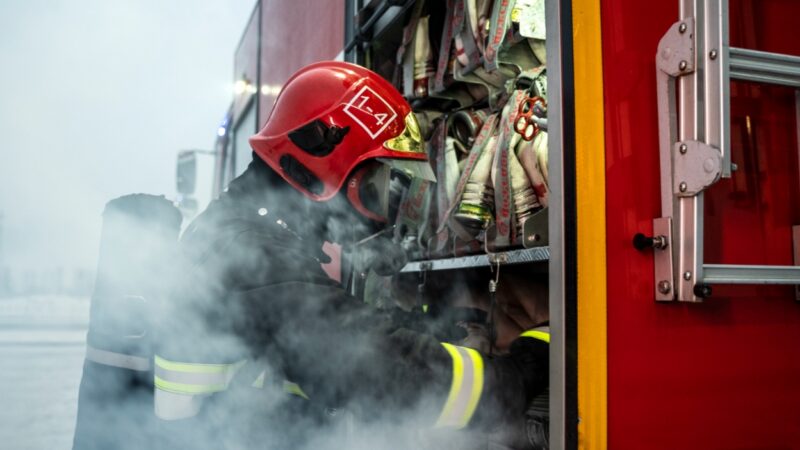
[258,347]
[115,399]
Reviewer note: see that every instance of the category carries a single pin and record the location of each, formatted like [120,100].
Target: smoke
[250,290]
[97,98]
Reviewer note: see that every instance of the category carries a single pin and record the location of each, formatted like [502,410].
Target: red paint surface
[297,33]
[724,374]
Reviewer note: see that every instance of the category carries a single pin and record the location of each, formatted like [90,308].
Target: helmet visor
[380,188]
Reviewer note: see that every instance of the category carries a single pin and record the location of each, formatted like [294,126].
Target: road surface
[42,343]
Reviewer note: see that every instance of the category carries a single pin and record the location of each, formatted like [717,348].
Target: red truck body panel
[296,34]
[724,374]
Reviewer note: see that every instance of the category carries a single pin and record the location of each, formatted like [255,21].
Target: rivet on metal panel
[682,187]
[682,65]
[664,287]
[682,28]
[687,275]
[683,149]
[712,54]
[498,258]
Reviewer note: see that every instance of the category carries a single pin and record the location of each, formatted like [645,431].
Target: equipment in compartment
[474,72]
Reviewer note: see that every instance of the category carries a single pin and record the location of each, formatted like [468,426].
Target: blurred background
[96,100]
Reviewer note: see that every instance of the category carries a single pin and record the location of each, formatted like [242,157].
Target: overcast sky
[96,98]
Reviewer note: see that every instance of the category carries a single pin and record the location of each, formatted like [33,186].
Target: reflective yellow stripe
[191,367]
[540,335]
[294,389]
[465,388]
[193,378]
[183,388]
[288,386]
[259,383]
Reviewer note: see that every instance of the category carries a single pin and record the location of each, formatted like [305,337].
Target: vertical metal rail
[691,52]
[687,211]
[797,124]
[563,373]
[350,9]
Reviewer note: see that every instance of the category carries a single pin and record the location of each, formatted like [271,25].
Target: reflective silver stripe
[181,387]
[114,359]
[465,389]
[173,406]
[174,376]
[460,403]
[193,378]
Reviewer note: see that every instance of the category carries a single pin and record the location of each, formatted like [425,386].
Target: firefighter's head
[340,128]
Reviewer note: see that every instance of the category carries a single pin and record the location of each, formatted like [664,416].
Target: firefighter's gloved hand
[532,358]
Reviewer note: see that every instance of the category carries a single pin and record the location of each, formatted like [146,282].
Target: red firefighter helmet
[332,118]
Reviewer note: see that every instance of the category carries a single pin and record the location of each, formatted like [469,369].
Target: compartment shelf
[520,256]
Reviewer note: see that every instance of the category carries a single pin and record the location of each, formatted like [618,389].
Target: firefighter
[258,347]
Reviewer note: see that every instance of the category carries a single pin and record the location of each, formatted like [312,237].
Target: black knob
[702,290]
[642,242]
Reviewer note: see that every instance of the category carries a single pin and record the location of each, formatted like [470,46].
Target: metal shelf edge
[527,255]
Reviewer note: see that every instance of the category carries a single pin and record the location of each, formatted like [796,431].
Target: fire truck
[671,235]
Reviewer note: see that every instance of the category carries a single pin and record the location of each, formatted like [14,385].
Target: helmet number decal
[370,111]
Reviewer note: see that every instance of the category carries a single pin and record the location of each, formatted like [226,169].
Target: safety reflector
[541,333]
[294,389]
[181,387]
[259,383]
[190,378]
[465,389]
[289,387]
[114,359]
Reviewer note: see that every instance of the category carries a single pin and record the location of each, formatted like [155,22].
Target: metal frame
[523,256]
[694,140]
[563,373]
[763,67]
[796,244]
[561,224]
